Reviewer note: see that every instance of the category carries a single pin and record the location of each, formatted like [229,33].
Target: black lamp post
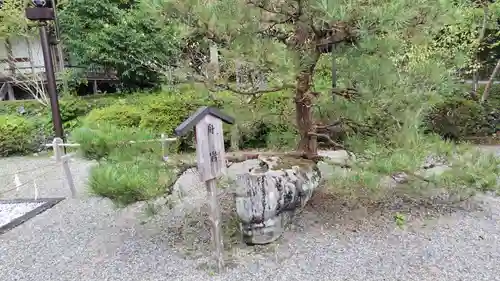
[43,12]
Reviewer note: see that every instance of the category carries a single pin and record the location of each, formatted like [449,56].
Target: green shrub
[127,172]
[267,121]
[73,108]
[30,107]
[458,118]
[119,115]
[97,143]
[17,135]
[281,136]
[127,182]
[164,112]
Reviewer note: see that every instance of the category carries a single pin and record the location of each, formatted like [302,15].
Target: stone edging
[47,204]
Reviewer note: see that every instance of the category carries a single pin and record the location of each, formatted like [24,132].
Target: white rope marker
[36,189]
[17,182]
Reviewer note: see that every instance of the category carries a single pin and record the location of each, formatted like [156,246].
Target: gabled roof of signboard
[189,123]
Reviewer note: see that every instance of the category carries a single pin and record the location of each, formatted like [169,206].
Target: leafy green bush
[164,112]
[97,143]
[73,108]
[266,122]
[127,172]
[282,135]
[30,108]
[17,135]
[458,118]
[127,182]
[119,115]
[276,111]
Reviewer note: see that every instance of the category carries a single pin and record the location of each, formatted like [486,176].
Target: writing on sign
[210,151]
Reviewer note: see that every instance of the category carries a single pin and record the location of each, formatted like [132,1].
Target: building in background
[22,71]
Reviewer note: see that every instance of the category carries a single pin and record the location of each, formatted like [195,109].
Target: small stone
[340,157]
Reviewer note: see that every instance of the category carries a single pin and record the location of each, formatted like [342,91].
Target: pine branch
[272,9]
[348,93]
[325,136]
[255,92]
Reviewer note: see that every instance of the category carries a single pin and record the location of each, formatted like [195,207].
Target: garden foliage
[396,82]
[17,135]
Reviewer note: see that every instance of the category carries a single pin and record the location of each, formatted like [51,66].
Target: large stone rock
[269,194]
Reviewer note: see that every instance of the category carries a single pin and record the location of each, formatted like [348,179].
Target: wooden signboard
[211,162]
[210,152]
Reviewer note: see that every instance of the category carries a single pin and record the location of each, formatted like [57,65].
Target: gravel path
[88,239]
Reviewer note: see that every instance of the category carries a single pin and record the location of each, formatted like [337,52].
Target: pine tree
[395,60]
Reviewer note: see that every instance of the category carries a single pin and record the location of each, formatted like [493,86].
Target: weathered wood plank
[210,151]
[211,160]
[215,220]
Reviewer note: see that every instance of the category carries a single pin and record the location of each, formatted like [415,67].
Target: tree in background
[123,35]
[386,48]
[13,22]
[391,69]
[485,44]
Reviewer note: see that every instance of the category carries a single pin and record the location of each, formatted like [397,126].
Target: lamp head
[43,10]
[40,3]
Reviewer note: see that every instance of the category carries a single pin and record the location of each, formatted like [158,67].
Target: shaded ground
[88,239]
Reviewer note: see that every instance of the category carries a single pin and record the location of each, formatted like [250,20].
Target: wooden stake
[17,182]
[58,153]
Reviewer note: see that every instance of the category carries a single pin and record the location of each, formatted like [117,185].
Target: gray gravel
[88,239]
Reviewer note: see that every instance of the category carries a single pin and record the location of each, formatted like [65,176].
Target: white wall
[20,51]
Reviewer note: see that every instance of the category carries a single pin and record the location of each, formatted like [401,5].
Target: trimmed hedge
[98,143]
[120,115]
[73,109]
[164,112]
[34,108]
[17,135]
[31,108]
[266,122]
[127,182]
[459,118]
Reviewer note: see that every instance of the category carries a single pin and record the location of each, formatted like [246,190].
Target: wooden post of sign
[211,162]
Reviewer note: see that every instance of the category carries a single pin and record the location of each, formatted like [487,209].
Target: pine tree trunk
[304,106]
